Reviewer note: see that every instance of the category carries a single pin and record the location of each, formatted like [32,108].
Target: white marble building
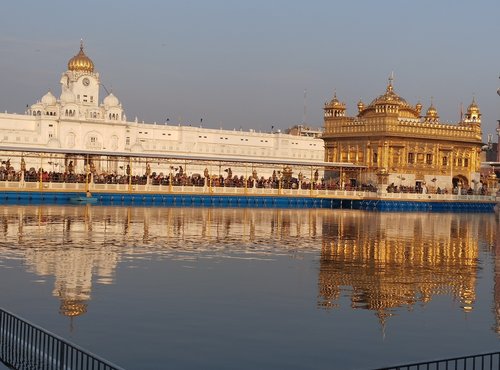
[77,120]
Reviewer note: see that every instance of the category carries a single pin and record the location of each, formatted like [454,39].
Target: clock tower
[80,84]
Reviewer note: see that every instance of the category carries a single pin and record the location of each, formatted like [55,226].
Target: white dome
[67,97]
[111,101]
[49,99]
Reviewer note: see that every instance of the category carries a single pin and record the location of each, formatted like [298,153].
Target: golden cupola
[334,108]
[432,114]
[473,113]
[81,62]
[335,103]
[361,106]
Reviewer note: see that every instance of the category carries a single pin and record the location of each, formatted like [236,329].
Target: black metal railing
[474,362]
[27,346]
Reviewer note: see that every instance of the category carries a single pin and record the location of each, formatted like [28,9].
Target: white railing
[190,189]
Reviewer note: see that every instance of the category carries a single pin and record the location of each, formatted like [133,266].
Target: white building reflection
[82,246]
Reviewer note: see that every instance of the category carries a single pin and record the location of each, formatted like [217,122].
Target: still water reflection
[254,288]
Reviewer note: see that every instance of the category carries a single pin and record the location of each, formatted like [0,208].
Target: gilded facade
[399,145]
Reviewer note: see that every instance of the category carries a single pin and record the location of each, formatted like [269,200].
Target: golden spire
[391,78]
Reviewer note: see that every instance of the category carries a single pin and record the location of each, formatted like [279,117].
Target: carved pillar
[382,179]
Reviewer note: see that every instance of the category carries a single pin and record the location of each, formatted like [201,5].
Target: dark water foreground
[225,288]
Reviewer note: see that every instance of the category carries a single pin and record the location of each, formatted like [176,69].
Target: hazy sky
[247,63]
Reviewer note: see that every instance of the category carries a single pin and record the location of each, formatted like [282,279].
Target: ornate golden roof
[80,62]
[390,98]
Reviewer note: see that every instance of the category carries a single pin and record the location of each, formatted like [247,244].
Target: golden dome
[80,62]
[397,105]
[390,97]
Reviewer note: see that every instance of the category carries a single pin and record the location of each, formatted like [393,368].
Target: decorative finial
[81,44]
[391,78]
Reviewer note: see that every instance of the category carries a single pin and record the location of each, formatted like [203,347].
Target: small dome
[473,108]
[432,114]
[111,101]
[432,111]
[80,62]
[49,99]
[335,103]
[67,97]
[418,107]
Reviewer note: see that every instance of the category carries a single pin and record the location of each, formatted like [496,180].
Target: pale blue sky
[246,63]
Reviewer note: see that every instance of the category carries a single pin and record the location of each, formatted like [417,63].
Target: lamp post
[280,177]
[170,179]
[23,169]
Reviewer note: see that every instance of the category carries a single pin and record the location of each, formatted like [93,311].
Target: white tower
[80,87]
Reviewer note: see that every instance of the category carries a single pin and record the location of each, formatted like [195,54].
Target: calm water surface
[191,288]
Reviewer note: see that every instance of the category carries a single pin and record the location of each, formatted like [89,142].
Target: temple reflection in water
[392,260]
[378,261]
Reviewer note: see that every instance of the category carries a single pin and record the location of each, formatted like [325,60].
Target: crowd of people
[278,180]
[180,178]
[423,189]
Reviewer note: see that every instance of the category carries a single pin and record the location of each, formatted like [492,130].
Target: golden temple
[400,146]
